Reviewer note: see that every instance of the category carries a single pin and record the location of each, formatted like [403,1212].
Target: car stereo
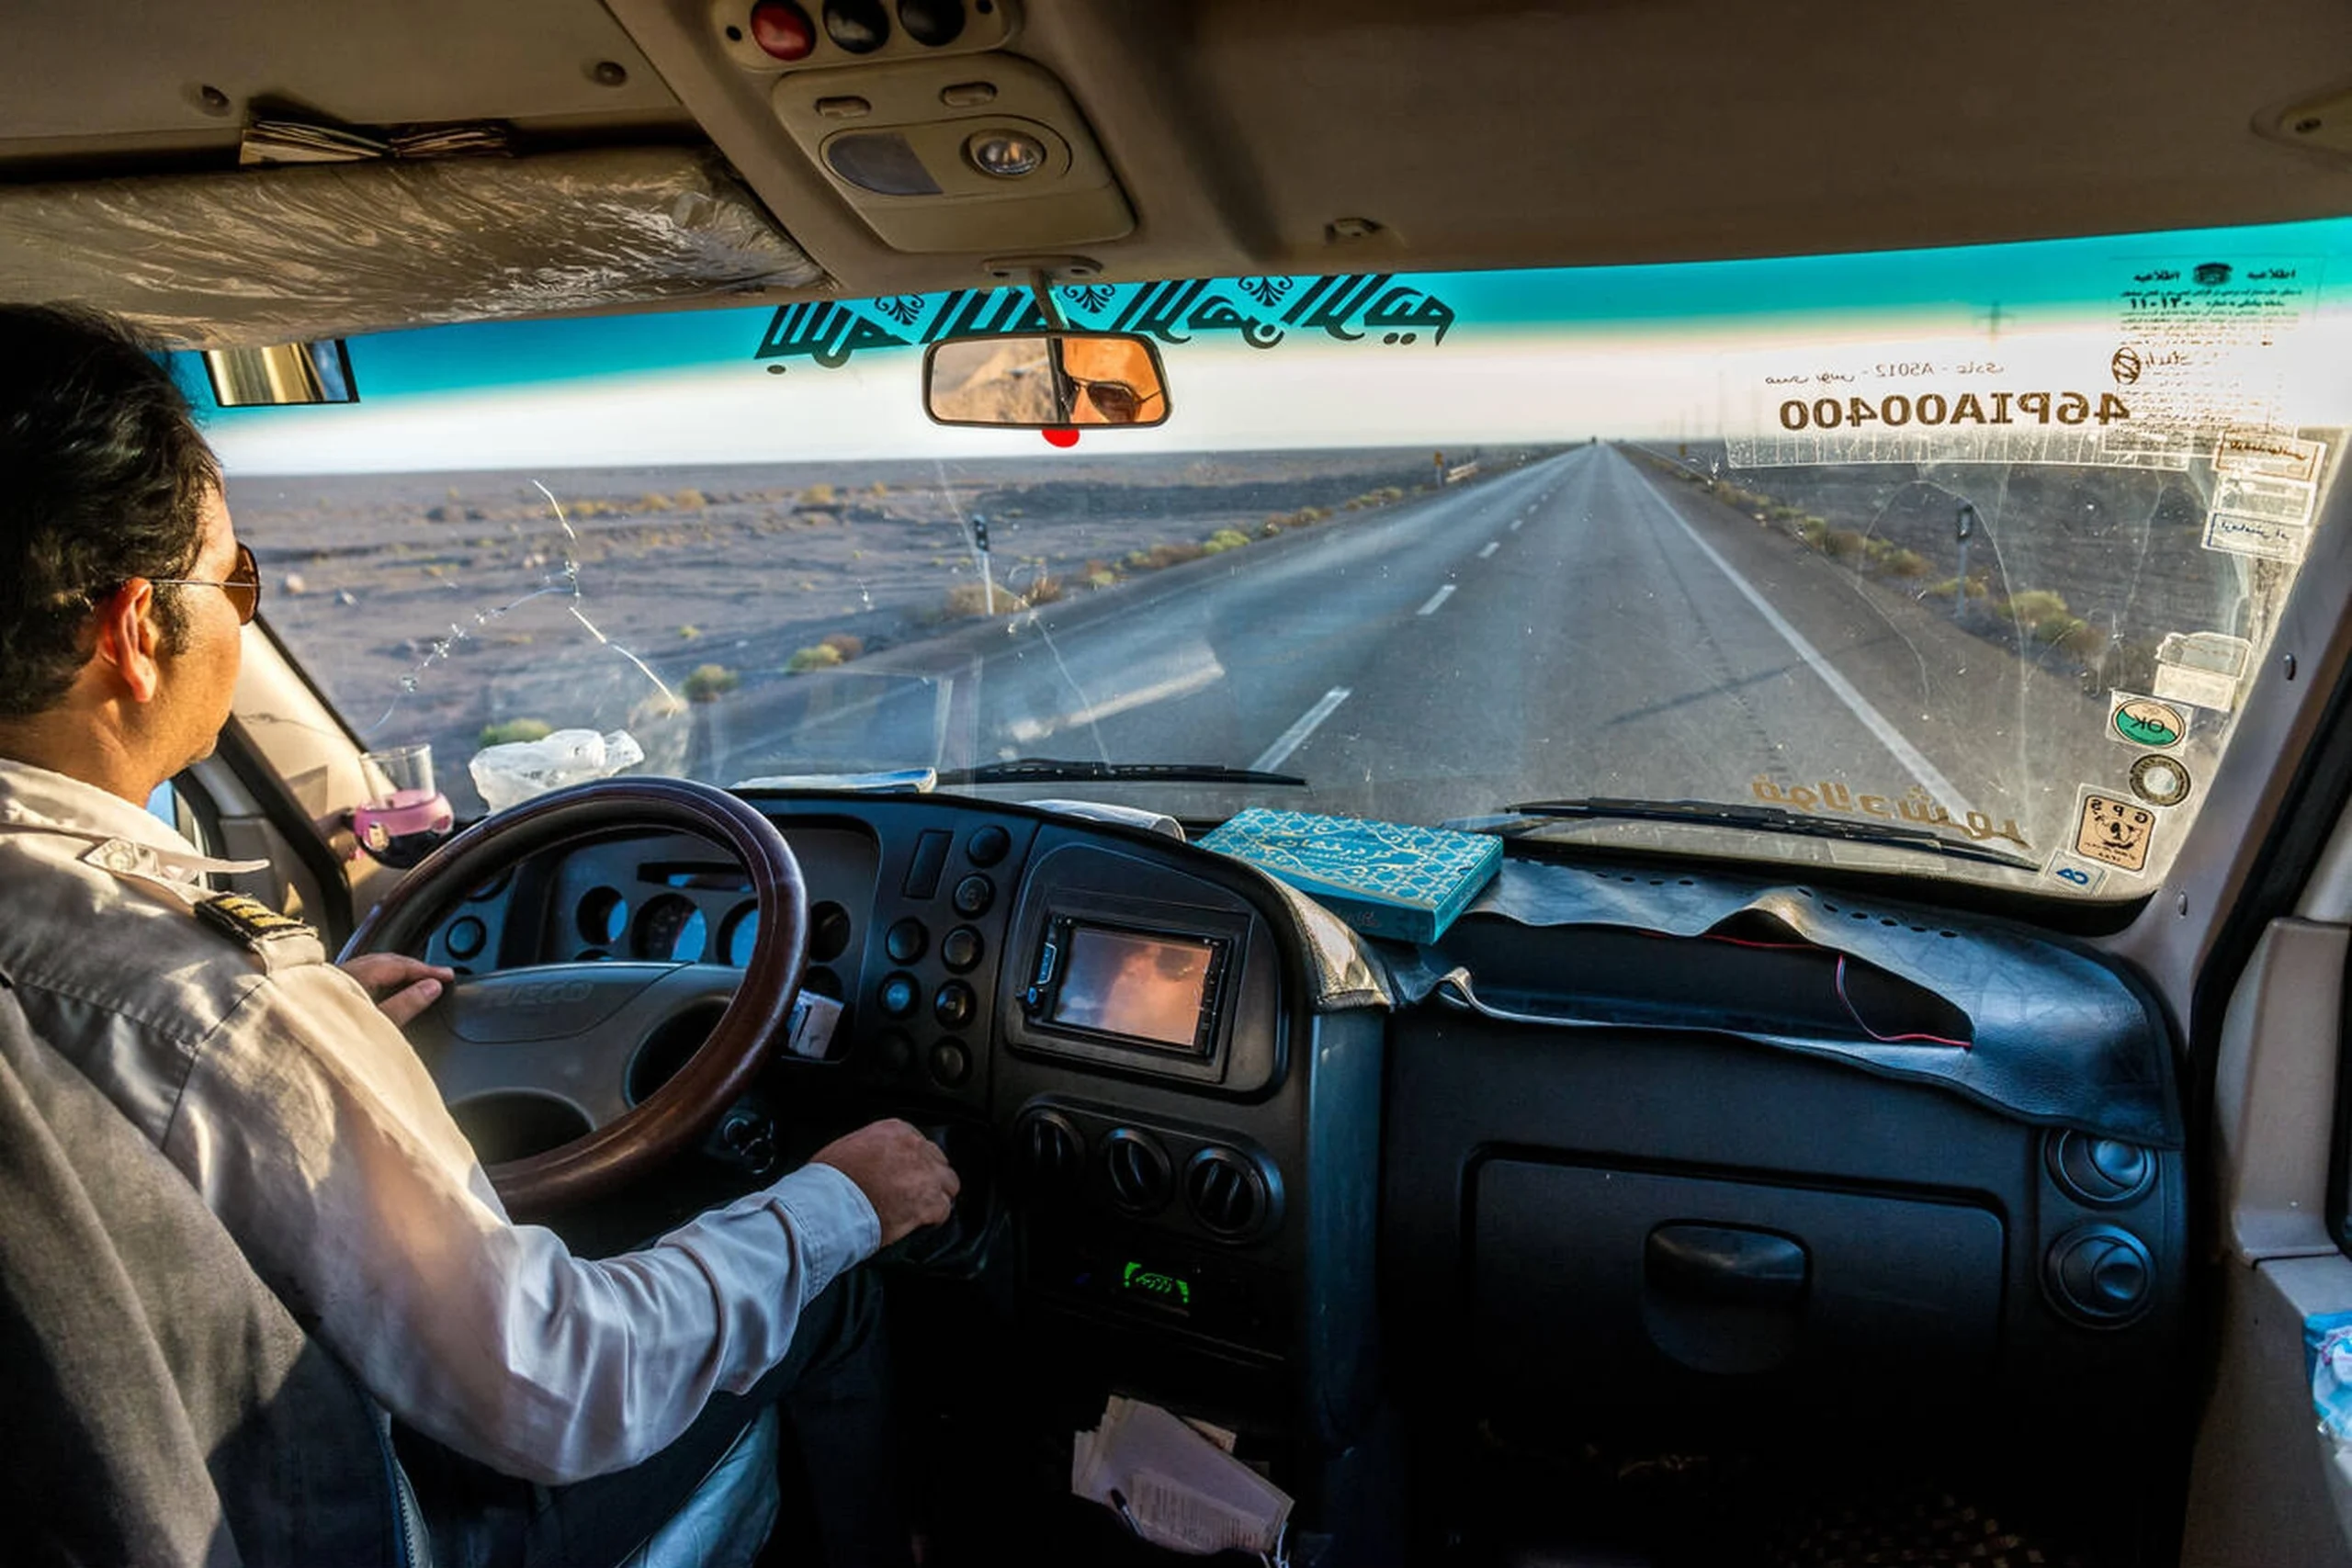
[1128,987]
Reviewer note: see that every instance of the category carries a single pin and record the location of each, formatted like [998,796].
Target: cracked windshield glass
[1953,562]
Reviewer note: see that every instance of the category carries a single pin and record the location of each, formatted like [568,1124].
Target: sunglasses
[1117,401]
[243,585]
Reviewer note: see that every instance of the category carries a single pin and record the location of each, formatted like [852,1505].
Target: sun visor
[291,253]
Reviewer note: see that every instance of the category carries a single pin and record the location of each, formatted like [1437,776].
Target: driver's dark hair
[103,478]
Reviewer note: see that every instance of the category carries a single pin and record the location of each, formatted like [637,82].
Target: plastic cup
[400,770]
[404,816]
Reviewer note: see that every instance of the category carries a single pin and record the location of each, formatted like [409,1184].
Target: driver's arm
[314,1133]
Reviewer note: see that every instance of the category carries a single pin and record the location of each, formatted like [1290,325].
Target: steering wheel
[570,1032]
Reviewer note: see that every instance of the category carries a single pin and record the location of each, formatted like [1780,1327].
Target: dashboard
[1650,1189]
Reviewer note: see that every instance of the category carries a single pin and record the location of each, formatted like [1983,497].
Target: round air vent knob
[1226,1192]
[1051,1150]
[2100,1171]
[2100,1275]
[1136,1168]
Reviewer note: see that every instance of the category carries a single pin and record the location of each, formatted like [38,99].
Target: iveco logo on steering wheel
[543,994]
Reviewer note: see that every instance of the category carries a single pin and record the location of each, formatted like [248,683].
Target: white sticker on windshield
[2256,514]
[2202,668]
[2082,876]
[2271,454]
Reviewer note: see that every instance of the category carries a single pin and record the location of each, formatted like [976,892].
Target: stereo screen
[1145,988]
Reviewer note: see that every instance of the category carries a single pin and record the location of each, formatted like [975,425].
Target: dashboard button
[974,895]
[950,1064]
[465,937]
[897,1052]
[989,845]
[961,949]
[899,994]
[954,1004]
[930,859]
[905,942]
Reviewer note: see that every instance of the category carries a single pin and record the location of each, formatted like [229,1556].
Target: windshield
[1980,545]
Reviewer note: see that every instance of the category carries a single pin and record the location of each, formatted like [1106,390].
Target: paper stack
[1175,1487]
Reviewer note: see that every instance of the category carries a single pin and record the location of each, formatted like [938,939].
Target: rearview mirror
[1045,380]
[283,373]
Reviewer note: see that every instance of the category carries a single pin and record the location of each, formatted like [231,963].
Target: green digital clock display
[1157,1285]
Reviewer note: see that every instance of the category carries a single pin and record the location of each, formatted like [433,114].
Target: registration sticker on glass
[2114,831]
[2143,721]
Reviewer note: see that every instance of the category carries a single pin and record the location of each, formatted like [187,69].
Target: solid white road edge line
[1291,739]
[1946,794]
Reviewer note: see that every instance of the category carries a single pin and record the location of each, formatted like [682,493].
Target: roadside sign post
[1963,526]
[980,544]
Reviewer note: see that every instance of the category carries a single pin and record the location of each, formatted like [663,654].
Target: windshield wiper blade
[1026,770]
[1533,814]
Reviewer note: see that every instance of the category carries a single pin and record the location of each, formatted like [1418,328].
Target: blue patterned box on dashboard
[1384,878]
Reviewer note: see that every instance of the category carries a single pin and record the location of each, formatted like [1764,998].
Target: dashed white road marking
[1440,597]
[1291,739]
[1492,546]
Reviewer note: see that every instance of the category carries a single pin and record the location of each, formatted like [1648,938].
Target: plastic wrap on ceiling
[288,253]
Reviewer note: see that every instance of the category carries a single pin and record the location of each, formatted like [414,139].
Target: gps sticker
[2161,781]
[2115,832]
[2145,721]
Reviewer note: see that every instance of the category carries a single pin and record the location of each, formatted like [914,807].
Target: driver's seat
[158,1405]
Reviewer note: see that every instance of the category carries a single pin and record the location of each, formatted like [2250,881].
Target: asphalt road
[1578,628]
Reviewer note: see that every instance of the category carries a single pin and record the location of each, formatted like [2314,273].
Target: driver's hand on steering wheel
[403,986]
[902,1174]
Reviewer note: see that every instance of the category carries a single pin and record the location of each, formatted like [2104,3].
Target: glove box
[1651,1291]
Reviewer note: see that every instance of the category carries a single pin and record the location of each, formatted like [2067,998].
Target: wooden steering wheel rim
[677,1115]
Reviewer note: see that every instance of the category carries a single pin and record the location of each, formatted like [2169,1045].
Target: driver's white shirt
[313,1131]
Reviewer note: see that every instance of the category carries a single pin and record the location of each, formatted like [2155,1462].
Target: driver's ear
[130,640]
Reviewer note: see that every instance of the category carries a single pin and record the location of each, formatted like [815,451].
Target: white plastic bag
[509,774]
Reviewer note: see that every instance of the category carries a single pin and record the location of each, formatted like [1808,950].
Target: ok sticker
[2115,832]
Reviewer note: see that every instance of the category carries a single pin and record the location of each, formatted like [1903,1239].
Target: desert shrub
[2053,629]
[1222,540]
[2081,640]
[844,644]
[689,500]
[688,632]
[1106,578]
[653,501]
[708,682]
[1046,590]
[817,495]
[1906,563]
[507,731]
[1876,550]
[818,655]
[1310,514]
[1781,513]
[968,599]
[2032,607]
[1841,544]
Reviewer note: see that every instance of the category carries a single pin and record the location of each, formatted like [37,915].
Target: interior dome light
[1006,155]
[783,29]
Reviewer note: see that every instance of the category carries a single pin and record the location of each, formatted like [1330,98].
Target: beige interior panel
[2275,1092]
[77,79]
[302,742]
[2259,1494]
